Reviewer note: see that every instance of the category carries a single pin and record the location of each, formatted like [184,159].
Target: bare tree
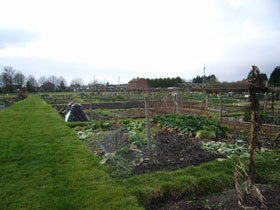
[1,81]
[19,79]
[7,77]
[62,79]
[31,83]
[53,79]
[42,80]
[77,82]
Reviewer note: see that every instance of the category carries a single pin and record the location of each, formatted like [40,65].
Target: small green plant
[123,150]
[132,125]
[100,124]
[120,169]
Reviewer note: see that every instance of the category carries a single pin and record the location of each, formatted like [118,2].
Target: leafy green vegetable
[228,150]
[192,125]
[97,124]
[136,132]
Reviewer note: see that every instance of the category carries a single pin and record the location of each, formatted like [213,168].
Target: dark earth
[225,201]
[173,152]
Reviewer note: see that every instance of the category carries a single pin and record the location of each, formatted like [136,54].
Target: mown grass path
[44,166]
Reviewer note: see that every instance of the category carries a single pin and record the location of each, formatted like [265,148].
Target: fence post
[265,102]
[182,101]
[116,141]
[272,104]
[175,104]
[146,101]
[221,109]
[206,105]
[90,107]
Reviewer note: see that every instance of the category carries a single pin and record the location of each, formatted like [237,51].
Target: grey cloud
[13,37]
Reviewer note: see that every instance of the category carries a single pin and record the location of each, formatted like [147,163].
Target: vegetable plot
[191,125]
[136,133]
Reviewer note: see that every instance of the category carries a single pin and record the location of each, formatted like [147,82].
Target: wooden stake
[182,101]
[175,104]
[252,167]
[206,105]
[146,101]
[90,107]
[265,102]
[116,141]
[221,109]
[272,104]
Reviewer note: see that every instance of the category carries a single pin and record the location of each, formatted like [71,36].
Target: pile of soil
[175,152]
[224,201]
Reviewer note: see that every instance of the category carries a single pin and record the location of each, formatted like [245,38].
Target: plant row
[192,125]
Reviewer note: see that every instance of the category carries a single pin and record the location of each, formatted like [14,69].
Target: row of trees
[274,78]
[165,82]
[12,80]
[207,79]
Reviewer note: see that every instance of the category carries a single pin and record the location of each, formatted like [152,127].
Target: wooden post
[206,105]
[272,103]
[175,104]
[252,168]
[116,141]
[265,102]
[221,109]
[182,101]
[90,107]
[146,101]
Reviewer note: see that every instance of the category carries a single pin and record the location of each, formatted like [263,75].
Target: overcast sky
[107,39]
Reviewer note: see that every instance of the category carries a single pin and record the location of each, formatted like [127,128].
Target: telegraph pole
[203,77]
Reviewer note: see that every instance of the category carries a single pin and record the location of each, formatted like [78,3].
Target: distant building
[122,86]
[138,83]
[111,87]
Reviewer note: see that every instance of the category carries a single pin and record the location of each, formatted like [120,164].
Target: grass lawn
[44,166]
